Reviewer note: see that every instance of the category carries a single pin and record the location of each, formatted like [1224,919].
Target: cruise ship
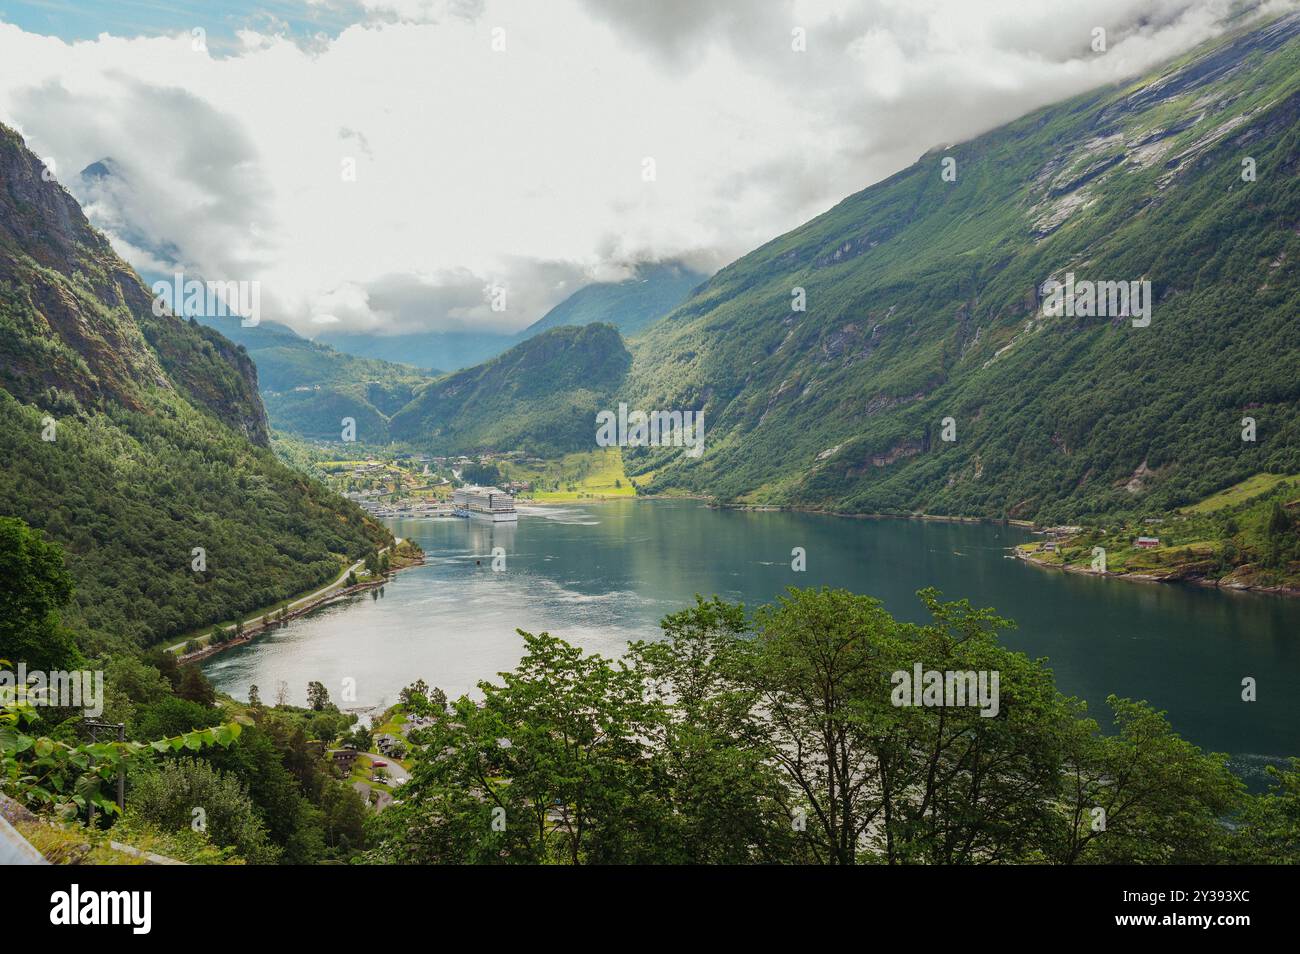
[484,503]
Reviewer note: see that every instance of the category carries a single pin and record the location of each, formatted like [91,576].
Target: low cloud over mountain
[376,178]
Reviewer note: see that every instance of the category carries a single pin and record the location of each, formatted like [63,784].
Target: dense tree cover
[132,438]
[268,787]
[479,473]
[36,586]
[129,495]
[922,303]
[1271,831]
[777,738]
[47,768]
[541,396]
[189,793]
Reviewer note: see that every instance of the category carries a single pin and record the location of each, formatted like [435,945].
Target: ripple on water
[601,575]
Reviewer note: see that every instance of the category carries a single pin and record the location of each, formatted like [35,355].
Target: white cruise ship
[484,503]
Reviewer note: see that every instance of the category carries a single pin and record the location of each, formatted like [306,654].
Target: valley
[392,575]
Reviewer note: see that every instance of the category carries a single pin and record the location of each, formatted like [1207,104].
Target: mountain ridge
[539,396]
[917,287]
[653,289]
[138,441]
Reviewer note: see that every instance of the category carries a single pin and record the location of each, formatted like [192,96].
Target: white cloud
[524,167]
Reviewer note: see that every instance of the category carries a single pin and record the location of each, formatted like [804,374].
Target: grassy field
[363,771]
[587,475]
[1239,493]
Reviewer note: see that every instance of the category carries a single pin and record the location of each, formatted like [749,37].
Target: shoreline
[265,624]
[783,508]
[1030,525]
[1171,578]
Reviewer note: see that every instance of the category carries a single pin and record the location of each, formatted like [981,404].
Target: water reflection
[603,574]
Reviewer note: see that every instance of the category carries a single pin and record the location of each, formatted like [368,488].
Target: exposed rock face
[923,303]
[85,322]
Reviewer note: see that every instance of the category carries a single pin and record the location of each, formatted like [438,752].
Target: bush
[189,794]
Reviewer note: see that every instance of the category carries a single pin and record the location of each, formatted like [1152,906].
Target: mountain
[308,388]
[925,315]
[425,349]
[630,305]
[110,191]
[541,396]
[132,439]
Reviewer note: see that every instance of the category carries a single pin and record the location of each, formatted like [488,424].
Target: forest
[764,736]
[772,737]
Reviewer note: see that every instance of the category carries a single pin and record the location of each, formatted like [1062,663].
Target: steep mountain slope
[133,439]
[628,305]
[308,387]
[541,396]
[924,303]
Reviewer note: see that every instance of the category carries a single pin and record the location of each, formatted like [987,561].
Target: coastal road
[315,594]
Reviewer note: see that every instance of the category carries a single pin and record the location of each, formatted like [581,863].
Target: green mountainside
[308,388]
[541,396]
[159,440]
[923,303]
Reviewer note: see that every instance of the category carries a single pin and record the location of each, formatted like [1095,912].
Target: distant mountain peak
[103,169]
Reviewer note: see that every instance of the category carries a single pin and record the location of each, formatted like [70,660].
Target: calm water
[600,575]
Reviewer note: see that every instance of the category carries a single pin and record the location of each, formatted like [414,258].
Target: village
[391,484]
[409,485]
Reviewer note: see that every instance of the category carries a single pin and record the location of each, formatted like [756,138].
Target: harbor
[479,503]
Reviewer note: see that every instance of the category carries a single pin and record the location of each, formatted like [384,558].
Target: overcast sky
[522,167]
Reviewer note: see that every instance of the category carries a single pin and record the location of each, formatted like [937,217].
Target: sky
[388,166]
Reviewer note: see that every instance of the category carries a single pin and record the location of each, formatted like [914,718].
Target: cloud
[185,200]
[381,178]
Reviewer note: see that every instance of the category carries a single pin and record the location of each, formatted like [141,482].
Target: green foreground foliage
[774,738]
[261,775]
